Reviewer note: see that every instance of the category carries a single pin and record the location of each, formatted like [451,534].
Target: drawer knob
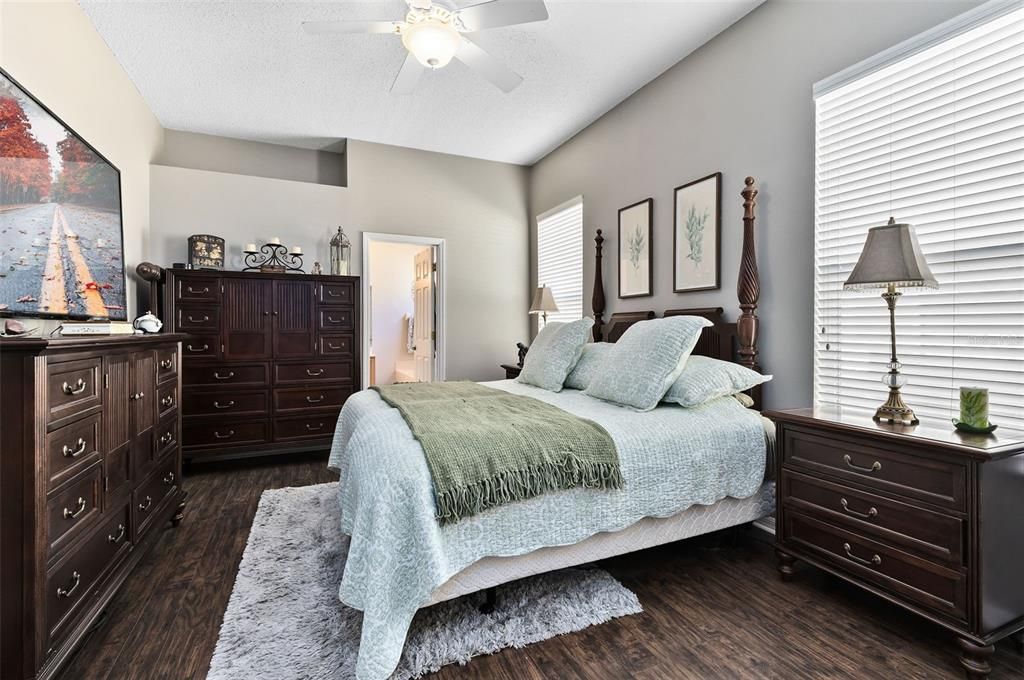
[314,429]
[873,562]
[116,538]
[219,405]
[229,376]
[872,511]
[313,374]
[166,438]
[875,467]
[77,512]
[169,479]
[166,364]
[229,435]
[190,348]
[77,389]
[137,396]
[311,400]
[168,400]
[147,505]
[76,578]
[74,452]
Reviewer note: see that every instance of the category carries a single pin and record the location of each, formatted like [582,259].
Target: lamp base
[895,411]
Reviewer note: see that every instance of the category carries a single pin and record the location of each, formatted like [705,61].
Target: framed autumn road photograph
[697,235]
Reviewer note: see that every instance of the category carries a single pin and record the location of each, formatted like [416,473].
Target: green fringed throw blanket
[486,447]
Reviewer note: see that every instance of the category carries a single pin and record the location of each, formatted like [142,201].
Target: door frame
[440,308]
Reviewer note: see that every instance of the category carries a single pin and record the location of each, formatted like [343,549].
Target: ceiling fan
[434,31]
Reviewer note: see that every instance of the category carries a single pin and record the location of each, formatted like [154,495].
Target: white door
[423,318]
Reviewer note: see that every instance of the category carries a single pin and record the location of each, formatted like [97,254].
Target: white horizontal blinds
[560,258]
[935,139]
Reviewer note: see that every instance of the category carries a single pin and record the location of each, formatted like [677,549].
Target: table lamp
[543,302]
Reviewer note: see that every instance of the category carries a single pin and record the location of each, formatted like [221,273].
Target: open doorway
[403,314]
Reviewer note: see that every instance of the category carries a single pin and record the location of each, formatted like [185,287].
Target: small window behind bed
[560,258]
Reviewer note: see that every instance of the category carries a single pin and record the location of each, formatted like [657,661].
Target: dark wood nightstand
[925,517]
[511,371]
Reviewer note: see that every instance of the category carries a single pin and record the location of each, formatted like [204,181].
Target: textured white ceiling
[247,70]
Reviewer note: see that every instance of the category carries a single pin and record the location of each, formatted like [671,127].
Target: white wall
[740,105]
[479,207]
[392,269]
[53,50]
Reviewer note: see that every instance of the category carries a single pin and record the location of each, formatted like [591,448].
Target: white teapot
[148,323]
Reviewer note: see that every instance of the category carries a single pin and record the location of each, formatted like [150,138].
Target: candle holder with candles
[272,257]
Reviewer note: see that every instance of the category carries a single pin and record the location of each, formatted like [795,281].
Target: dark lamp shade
[891,257]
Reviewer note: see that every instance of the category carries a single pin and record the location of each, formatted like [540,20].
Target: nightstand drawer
[927,479]
[930,586]
[930,535]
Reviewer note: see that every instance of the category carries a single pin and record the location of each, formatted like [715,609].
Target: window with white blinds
[934,136]
[560,258]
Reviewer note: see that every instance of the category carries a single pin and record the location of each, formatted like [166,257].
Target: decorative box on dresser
[90,465]
[269,360]
[925,517]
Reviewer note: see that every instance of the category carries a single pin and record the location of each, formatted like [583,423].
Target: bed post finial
[748,290]
[597,301]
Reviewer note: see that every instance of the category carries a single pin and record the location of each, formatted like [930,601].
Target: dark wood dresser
[269,361]
[90,464]
[925,517]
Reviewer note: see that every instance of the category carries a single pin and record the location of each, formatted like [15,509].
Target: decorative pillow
[587,367]
[554,352]
[704,379]
[646,360]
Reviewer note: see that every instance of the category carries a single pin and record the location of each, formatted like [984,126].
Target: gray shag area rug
[284,619]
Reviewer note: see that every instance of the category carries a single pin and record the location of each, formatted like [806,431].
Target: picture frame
[206,251]
[636,256]
[697,235]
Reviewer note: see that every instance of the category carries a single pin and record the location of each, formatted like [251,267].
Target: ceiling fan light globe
[433,43]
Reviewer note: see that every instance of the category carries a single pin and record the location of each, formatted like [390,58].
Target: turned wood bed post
[748,289]
[597,301]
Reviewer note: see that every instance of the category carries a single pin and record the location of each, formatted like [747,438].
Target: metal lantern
[341,250]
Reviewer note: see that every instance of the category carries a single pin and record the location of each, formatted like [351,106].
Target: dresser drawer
[931,535]
[926,479]
[149,497]
[307,427]
[167,364]
[313,371]
[336,345]
[72,510]
[72,387]
[233,375]
[204,432]
[167,399]
[312,399]
[72,448]
[197,289]
[225,402]
[336,318]
[166,438]
[336,293]
[72,580]
[192,319]
[200,346]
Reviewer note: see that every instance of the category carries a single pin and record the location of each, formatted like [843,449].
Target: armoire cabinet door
[143,410]
[246,320]
[294,322]
[117,421]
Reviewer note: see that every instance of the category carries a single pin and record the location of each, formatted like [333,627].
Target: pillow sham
[705,378]
[554,352]
[646,360]
[587,367]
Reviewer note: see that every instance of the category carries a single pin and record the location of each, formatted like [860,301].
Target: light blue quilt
[671,458]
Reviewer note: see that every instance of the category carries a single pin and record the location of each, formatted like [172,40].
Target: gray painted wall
[740,105]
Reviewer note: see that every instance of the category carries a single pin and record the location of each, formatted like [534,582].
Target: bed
[688,471]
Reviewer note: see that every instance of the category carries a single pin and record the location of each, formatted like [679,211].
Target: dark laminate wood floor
[714,608]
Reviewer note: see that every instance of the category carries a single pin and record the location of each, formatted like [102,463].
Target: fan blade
[502,13]
[408,76]
[334,27]
[473,56]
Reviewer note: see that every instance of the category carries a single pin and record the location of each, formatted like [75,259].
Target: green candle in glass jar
[974,406]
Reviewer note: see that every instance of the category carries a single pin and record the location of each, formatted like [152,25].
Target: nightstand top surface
[1000,444]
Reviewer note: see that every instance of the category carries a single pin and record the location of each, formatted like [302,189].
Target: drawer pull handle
[229,376]
[169,479]
[167,401]
[331,319]
[192,319]
[872,511]
[217,404]
[77,389]
[229,435]
[875,467]
[313,374]
[116,538]
[193,291]
[332,293]
[331,345]
[147,505]
[76,578]
[137,396]
[873,562]
[166,364]
[77,512]
[166,438]
[311,400]
[314,429]
[201,349]
[76,452]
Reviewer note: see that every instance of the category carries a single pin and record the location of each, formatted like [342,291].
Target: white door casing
[423,315]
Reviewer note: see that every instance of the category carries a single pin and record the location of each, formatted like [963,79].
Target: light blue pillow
[554,352]
[588,365]
[646,360]
[704,379]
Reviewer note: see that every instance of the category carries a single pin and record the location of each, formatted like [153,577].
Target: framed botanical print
[697,235]
[636,259]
